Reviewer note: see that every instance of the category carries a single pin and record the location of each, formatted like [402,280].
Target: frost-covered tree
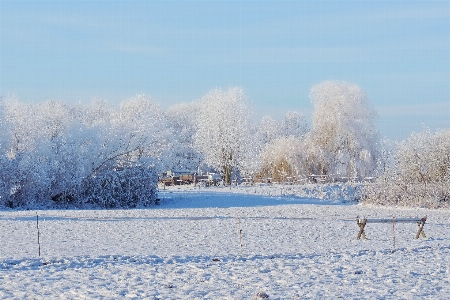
[35,149]
[294,125]
[251,162]
[138,130]
[6,164]
[281,144]
[96,113]
[223,130]
[268,130]
[282,158]
[343,139]
[182,120]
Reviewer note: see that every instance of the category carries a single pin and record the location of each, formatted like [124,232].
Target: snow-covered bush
[425,157]
[345,192]
[50,149]
[128,187]
[419,174]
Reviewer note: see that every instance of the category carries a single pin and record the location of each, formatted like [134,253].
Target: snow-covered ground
[189,248]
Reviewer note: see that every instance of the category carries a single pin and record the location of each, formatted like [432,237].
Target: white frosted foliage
[344,134]
[223,129]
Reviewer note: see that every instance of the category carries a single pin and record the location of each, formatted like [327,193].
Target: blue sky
[176,51]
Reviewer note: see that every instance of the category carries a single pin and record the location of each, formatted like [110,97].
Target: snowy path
[188,248]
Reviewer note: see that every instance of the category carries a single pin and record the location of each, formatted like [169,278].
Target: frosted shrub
[345,192]
[419,175]
[401,193]
[425,157]
[51,153]
[121,188]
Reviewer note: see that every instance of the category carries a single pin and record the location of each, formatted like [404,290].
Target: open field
[189,248]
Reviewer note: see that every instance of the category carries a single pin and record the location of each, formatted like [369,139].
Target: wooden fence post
[361,228]
[38,241]
[421,223]
[393,229]
[240,233]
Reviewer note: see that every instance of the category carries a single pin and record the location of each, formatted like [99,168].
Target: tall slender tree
[223,130]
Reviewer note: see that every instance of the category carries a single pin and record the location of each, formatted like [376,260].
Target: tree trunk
[227,174]
[227,166]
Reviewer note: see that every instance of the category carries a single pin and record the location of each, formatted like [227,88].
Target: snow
[189,248]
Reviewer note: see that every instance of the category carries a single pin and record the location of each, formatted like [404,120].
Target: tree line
[98,155]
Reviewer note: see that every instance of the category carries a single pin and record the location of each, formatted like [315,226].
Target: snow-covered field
[189,248]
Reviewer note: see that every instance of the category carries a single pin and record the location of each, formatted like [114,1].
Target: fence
[74,235]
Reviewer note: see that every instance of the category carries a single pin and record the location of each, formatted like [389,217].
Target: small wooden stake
[38,241]
[240,233]
[393,229]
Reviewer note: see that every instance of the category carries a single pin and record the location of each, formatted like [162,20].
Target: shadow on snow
[210,199]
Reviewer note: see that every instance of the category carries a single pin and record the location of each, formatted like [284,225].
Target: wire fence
[62,236]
